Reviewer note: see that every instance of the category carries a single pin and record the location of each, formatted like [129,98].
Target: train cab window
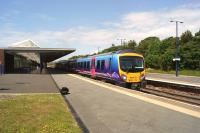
[98,65]
[102,64]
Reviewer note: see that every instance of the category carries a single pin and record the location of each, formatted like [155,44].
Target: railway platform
[106,108]
[191,81]
[27,83]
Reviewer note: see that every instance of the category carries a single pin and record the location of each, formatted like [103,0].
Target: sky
[89,25]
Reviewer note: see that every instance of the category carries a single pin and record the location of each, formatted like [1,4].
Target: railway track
[183,93]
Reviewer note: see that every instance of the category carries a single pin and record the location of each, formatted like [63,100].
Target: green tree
[152,61]
[144,45]
[132,44]
[167,60]
[186,37]
[190,55]
[168,43]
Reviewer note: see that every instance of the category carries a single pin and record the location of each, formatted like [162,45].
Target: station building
[25,56]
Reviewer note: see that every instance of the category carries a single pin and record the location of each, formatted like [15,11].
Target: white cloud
[137,26]
[156,23]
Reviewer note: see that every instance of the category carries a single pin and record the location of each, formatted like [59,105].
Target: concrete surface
[106,111]
[187,80]
[27,83]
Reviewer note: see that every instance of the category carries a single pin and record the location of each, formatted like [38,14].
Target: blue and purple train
[121,67]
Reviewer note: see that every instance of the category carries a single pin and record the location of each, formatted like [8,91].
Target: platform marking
[146,99]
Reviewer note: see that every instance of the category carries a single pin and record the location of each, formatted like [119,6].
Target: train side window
[84,65]
[98,64]
[88,65]
[102,64]
[78,64]
[110,64]
[81,65]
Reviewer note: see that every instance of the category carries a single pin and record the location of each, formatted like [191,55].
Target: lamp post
[177,59]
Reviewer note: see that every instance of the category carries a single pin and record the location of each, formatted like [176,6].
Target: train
[123,67]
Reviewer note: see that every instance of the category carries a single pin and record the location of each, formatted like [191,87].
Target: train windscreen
[131,63]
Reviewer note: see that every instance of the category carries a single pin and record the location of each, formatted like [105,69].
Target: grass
[182,72]
[44,113]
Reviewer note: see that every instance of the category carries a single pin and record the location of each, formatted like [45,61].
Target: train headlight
[142,77]
[124,77]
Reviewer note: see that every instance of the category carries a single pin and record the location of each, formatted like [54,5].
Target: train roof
[110,53]
[115,52]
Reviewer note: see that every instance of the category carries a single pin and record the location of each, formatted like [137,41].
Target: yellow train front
[131,69]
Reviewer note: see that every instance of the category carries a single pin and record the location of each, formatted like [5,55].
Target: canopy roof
[30,50]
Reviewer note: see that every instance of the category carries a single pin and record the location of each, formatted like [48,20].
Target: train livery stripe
[146,99]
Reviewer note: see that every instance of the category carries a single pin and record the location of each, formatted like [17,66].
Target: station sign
[176,59]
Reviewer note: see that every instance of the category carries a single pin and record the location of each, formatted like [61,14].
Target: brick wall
[2,56]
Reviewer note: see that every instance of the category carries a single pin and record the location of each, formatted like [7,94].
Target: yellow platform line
[146,99]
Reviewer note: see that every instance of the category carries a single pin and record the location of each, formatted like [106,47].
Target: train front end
[131,70]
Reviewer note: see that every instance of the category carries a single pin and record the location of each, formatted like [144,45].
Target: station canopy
[32,51]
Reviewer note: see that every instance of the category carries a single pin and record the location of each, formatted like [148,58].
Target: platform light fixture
[122,40]
[177,59]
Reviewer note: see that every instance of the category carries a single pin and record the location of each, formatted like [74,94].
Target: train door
[92,70]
